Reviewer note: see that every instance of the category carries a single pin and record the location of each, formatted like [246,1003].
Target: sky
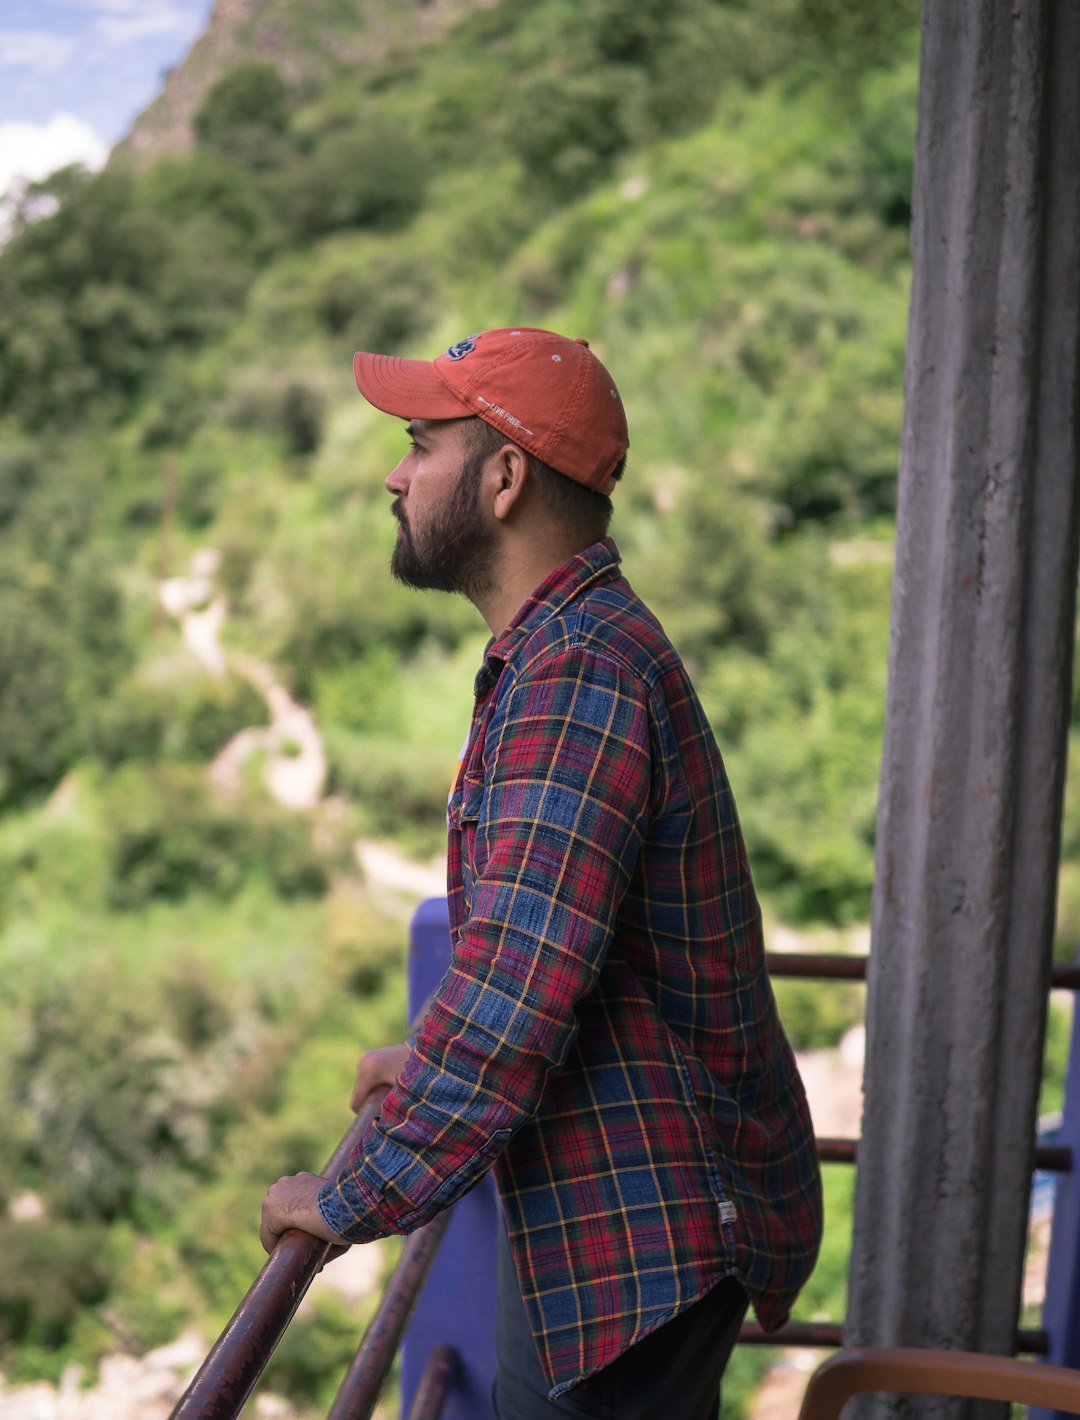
[74,74]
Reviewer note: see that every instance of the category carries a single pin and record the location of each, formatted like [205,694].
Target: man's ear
[511,479]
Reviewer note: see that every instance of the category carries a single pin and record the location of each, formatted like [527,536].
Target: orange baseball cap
[549,394]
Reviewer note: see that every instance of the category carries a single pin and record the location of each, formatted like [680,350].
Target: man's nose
[396,481]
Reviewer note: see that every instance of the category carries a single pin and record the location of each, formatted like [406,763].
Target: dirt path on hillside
[294,761]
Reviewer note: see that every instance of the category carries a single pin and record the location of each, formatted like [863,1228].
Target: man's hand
[375,1069]
[290,1203]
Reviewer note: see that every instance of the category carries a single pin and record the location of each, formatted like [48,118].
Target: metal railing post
[366,1376]
[435,1382]
[222,1384]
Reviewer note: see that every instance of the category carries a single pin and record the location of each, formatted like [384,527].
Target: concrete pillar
[980,672]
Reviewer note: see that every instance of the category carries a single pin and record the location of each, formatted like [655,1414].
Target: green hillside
[717,196]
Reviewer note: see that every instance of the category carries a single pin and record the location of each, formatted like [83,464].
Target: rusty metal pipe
[366,1376]
[832,966]
[829,1333]
[1052,1158]
[438,1376]
[817,966]
[238,1358]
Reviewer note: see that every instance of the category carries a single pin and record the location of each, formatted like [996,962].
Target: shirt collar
[598,563]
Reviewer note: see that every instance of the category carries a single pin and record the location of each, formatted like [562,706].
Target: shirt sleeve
[556,826]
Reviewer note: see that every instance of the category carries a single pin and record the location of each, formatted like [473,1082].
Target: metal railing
[223,1383]
[1050,1158]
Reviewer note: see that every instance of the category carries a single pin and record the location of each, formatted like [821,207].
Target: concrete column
[980,672]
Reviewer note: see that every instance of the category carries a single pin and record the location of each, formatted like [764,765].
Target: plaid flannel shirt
[606,1036]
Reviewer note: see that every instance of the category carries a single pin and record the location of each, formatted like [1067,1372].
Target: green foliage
[824,1298]
[364,693]
[567,131]
[816,1014]
[52,1271]
[807,792]
[171,834]
[1056,1055]
[62,639]
[745,1372]
[401,787]
[717,194]
[92,297]
[214,190]
[108,1098]
[373,177]
[53,856]
[173,709]
[1067,932]
[18,476]
[363,951]
[854,37]
[245,115]
[316,1351]
[353,289]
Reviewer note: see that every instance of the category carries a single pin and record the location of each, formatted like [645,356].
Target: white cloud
[33,151]
[35,49]
[122,29]
[122,21]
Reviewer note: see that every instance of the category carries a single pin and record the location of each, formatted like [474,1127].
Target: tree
[245,115]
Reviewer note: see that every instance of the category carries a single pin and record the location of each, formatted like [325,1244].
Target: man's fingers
[292,1202]
[377,1069]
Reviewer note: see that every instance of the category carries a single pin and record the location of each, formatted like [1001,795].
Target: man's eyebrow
[416,429]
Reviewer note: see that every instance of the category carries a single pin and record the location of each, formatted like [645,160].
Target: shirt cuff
[348,1209]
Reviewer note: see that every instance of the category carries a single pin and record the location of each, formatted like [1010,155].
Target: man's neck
[521,570]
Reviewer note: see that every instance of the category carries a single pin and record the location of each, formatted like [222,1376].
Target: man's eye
[414,446]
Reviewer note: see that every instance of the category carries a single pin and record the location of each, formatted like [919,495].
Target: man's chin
[405,569]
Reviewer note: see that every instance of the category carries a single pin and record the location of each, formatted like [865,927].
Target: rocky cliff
[309,40]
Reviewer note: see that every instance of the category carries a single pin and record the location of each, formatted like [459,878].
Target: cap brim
[408,388]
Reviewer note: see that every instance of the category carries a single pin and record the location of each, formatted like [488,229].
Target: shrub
[567,131]
[401,786]
[186,190]
[52,1270]
[104,1103]
[94,298]
[374,177]
[817,1015]
[118,1085]
[316,1350]
[362,694]
[360,945]
[63,646]
[170,835]
[374,300]
[175,710]
[18,475]
[245,115]
[302,409]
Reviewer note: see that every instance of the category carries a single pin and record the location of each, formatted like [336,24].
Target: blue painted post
[457,1304]
[1061,1306]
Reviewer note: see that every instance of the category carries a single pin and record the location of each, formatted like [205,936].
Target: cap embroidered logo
[462,348]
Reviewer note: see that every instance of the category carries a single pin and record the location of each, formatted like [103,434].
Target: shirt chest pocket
[465,806]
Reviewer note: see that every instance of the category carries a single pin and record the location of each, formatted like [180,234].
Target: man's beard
[454,553]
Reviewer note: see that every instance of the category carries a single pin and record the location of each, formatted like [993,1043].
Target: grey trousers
[673,1374]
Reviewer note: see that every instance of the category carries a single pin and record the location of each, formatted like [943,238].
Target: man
[606,1037]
